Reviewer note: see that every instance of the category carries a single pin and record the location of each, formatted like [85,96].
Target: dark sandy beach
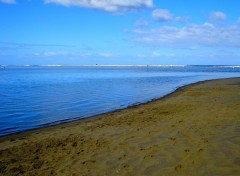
[193,131]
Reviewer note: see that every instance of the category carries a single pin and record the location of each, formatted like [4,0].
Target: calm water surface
[33,97]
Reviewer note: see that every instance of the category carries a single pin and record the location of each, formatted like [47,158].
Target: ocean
[37,96]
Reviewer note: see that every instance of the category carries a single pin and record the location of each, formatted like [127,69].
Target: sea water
[37,96]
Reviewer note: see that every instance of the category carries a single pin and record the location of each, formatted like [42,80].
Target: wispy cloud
[29,45]
[8,1]
[114,6]
[105,54]
[141,23]
[76,54]
[34,49]
[53,53]
[156,54]
[51,50]
[238,21]
[217,17]
[164,15]
[206,35]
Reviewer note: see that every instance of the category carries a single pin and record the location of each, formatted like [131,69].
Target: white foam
[53,65]
[228,66]
[110,65]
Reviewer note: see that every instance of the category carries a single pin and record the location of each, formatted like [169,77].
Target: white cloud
[162,15]
[141,55]
[206,35]
[53,53]
[105,54]
[181,19]
[72,54]
[141,23]
[238,20]
[156,54]
[8,1]
[217,16]
[115,6]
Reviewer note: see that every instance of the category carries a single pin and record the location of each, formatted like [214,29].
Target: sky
[193,32]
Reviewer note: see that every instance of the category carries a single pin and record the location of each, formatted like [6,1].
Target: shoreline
[193,130]
[65,122]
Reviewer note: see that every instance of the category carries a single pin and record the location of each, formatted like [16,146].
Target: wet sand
[193,131]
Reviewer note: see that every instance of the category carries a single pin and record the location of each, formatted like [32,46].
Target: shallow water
[36,96]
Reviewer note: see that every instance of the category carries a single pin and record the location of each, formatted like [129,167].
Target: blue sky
[120,32]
